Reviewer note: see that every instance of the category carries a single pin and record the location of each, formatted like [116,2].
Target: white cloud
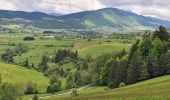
[156,8]
[60,6]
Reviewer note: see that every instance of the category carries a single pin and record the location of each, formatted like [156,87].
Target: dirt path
[45,97]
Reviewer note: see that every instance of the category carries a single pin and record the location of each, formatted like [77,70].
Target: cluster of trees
[147,59]
[43,66]
[9,54]
[61,54]
[55,85]
[29,38]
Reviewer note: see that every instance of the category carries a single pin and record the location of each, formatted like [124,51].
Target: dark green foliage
[20,49]
[8,92]
[120,73]
[147,59]
[70,82]
[61,54]
[28,38]
[158,47]
[9,54]
[55,85]
[161,33]
[31,88]
[25,63]
[55,79]
[112,72]
[35,98]
[43,64]
[0,79]
[77,78]
[49,89]
[145,47]
[104,72]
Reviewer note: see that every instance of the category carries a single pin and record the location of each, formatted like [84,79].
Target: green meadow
[153,89]
[20,75]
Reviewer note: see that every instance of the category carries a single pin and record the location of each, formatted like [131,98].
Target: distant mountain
[55,14]
[23,15]
[108,18]
[115,18]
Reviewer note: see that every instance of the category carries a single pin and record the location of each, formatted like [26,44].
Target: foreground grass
[154,89]
[19,75]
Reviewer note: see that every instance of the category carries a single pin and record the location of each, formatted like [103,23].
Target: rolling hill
[108,18]
[20,75]
[153,89]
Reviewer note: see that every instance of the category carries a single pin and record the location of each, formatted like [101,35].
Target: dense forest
[148,58]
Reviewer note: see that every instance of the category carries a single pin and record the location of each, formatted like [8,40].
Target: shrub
[49,89]
[31,88]
[122,84]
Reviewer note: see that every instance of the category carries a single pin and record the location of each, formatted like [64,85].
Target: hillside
[16,74]
[105,19]
[115,18]
[154,89]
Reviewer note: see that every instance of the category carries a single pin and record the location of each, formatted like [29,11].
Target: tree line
[148,58]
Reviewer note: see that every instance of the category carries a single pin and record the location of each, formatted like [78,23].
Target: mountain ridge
[112,18]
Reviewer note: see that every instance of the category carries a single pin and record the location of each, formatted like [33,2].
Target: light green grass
[154,89]
[97,50]
[16,74]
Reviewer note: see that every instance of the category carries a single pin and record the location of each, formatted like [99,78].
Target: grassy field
[16,74]
[97,50]
[154,89]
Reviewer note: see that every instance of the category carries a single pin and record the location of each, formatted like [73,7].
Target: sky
[154,8]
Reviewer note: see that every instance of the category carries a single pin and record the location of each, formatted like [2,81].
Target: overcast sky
[156,8]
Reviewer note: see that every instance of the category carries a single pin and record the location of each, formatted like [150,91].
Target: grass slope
[97,50]
[16,74]
[154,89]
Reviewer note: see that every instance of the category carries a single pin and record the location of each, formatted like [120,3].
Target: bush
[122,84]
[53,88]
[31,88]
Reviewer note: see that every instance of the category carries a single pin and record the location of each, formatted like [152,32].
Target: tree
[8,92]
[35,97]
[43,64]
[55,87]
[120,72]
[77,78]
[143,70]
[54,79]
[49,89]
[104,72]
[161,33]
[25,63]
[31,88]
[158,47]
[133,69]
[69,82]
[0,78]
[145,47]
[112,72]
[152,65]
